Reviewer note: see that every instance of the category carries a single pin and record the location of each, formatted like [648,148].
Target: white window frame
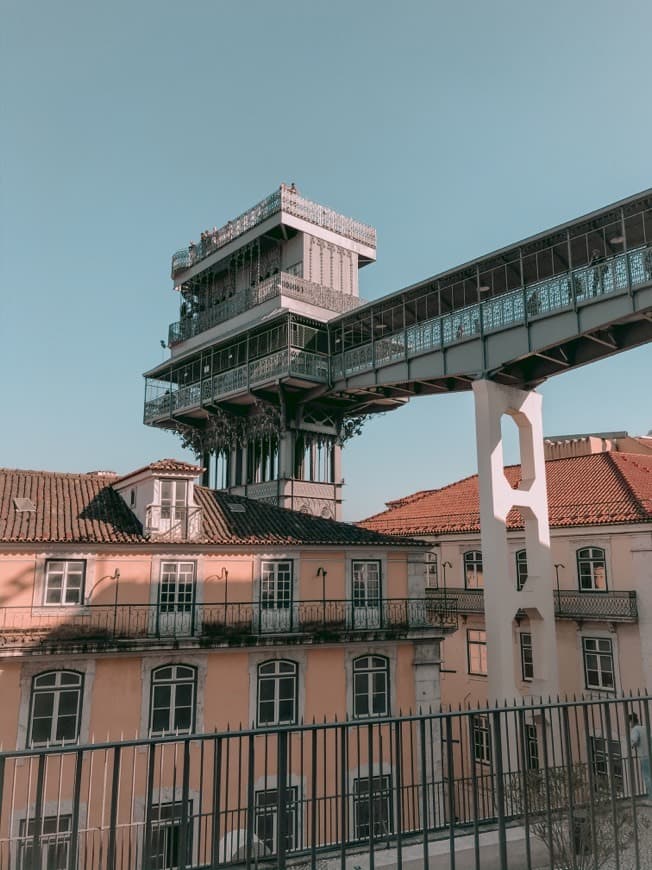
[527,657]
[174,569]
[476,644]
[481,728]
[160,826]
[599,761]
[56,690]
[380,796]
[520,560]
[587,642]
[356,566]
[276,675]
[174,682]
[432,571]
[592,560]
[271,571]
[472,562]
[65,573]
[531,738]
[50,840]
[370,671]
[177,500]
[269,811]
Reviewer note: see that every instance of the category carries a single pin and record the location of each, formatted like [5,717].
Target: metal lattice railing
[284,199]
[282,284]
[214,622]
[569,604]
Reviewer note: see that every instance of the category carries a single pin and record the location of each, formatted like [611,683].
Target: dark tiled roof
[69,507]
[597,489]
[261,523]
[85,508]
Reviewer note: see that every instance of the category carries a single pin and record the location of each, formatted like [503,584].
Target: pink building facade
[147,606]
[600,512]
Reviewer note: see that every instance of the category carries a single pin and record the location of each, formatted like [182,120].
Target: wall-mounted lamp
[445,565]
[322,572]
[222,575]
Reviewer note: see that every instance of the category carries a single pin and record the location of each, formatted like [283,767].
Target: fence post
[113,822]
[216,809]
[282,798]
[500,788]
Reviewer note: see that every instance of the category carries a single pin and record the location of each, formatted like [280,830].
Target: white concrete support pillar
[497,498]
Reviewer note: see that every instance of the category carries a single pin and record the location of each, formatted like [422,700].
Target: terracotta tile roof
[68,507]
[601,488]
[173,466]
[85,508]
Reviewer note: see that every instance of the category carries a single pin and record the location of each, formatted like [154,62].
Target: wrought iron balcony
[282,284]
[287,362]
[569,604]
[216,624]
[282,200]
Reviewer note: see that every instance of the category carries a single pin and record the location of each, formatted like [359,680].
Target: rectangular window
[167,820]
[266,812]
[372,807]
[54,840]
[55,708]
[476,651]
[531,747]
[598,663]
[366,584]
[177,587]
[527,662]
[174,498]
[481,738]
[276,585]
[606,763]
[432,572]
[64,582]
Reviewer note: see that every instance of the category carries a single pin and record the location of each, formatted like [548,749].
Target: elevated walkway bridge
[563,298]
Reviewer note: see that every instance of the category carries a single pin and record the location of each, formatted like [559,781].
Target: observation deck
[282,207]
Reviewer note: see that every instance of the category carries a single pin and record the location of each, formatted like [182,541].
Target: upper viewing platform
[283,207]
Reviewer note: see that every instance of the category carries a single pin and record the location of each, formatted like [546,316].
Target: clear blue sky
[454,128]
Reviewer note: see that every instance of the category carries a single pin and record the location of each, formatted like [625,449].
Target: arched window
[592,569]
[370,686]
[521,569]
[277,693]
[473,578]
[55,708]
[172,708]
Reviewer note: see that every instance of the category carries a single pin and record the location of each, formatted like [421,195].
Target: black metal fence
[559,784]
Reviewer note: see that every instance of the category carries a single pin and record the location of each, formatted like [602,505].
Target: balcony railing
[216,623]
[612,275]
[172,523]
[569,604]
[284,199]
[282,284]
[283,363]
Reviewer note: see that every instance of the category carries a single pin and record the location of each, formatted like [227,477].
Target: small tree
[586,838]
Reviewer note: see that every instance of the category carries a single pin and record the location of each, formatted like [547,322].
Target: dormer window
[174,498]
